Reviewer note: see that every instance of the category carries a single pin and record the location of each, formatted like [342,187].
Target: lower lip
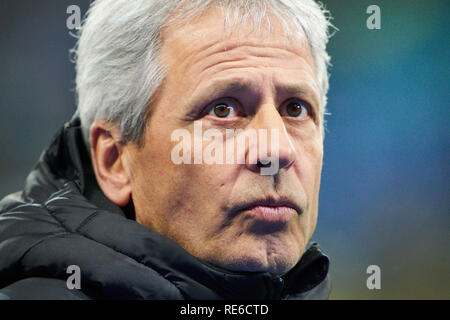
[280,214]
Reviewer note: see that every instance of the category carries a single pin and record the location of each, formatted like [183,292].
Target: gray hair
[118,67]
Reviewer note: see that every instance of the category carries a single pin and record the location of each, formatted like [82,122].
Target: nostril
[263,163]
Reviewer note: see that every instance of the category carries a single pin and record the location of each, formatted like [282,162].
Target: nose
[274,149]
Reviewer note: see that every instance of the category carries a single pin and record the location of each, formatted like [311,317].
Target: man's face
[230,214]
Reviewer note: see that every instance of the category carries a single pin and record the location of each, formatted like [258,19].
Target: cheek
[308,165]
[314,156]
[199,215]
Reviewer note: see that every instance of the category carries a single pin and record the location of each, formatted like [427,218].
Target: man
[140,211]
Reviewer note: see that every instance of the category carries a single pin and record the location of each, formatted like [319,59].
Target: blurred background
[385,190]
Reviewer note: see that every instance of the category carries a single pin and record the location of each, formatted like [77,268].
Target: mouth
[270,210]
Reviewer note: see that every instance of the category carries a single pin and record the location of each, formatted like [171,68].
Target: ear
[109,162]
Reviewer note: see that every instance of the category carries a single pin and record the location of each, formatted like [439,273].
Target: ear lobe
[109,163]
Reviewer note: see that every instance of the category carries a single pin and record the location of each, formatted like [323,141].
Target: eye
[223,109]
[297,109]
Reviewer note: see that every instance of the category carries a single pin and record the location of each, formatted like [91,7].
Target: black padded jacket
[62,218]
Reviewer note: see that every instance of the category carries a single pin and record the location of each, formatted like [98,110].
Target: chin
[277,261]
[279,267]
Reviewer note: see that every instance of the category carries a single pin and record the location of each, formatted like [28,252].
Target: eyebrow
[227,86]
[294,89]
[222,87]
[216,89]
[304,90]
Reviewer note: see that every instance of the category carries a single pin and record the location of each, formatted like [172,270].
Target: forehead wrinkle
[208,57]
[251,52]
[206,45]
[199,56]
[214,65]
[199,42]
[234,36]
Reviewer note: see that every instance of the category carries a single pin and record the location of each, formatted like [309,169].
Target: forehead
[210,33]
[205,52]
